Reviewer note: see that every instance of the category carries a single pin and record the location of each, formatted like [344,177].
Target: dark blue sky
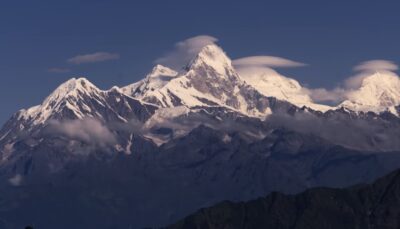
[330,36]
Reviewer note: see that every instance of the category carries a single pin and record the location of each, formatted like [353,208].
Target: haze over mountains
[149,153]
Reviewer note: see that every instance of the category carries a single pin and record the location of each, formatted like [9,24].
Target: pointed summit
[71,87]
[214,57]
[66,98]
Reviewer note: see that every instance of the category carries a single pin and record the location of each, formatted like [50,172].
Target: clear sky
[38,38]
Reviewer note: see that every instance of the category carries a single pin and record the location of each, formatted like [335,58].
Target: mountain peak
[380,79]
[378,92]
[209,81]
[66,95]
[213,51]
[212,56]
[71,88]
[272,84]
[160,70]
[156,79]
[72,85]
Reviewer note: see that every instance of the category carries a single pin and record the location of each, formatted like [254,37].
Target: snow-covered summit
[71,87]
[65,96]
[213,57]
[272,84]
[378,92]
[160,70]
[156,79]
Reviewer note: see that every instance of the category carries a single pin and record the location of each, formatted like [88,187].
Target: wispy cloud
[93,58]
[58,70]
[184,51]
[266,61]
[334,96]
[250,71]
[376,65]
[88,130]
[15,180]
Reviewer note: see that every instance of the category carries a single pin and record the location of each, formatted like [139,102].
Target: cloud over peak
[366,69]
[353,83]
[93,58]
[333,96]
[376,65]
[58,70]
[266,61]
[184,51]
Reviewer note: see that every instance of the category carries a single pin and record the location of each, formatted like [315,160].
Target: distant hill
[365,206]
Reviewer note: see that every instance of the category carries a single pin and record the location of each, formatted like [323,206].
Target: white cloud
[184,51]
[88,130]
[354,82]
[254,70]
[376,65]
[266,61]
[15,180]
[59,70]
[93,58]
[335,95]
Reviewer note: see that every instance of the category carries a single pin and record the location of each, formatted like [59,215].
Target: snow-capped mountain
[208,83]
[67,99]
[378,92]
[209,80]
[76,99]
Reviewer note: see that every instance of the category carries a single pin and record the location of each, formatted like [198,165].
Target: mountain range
[152,152]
